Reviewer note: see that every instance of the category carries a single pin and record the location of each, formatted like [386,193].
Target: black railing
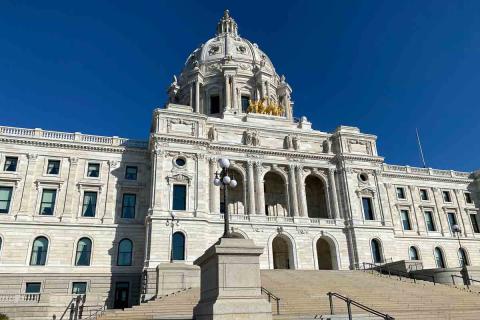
[74,308]
[272,296]
[397,273]
[351,302]
[465,281]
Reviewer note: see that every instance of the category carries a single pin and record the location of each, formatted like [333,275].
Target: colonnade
[294,186]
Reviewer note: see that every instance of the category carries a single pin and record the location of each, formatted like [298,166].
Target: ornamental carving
[212,134]
[242,49]
[180,178]
[251,138]
[359,146]
[181,126]
[214,49]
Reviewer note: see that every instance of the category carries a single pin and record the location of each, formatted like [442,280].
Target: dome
[227,45]
[228,73]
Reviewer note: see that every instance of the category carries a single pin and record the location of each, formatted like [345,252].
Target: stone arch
[439,257]
[239,234]
[291,247]
[236,196]
[317,197]
[414,253]
[275,194]
[376,249]
[333,252]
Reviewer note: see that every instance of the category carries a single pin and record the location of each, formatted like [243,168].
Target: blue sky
[101,67]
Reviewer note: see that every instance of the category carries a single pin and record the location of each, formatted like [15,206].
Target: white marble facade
[299,195]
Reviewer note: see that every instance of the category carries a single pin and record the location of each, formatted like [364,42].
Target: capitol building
[109,216]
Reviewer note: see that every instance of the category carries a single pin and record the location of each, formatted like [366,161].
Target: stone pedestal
[230,282]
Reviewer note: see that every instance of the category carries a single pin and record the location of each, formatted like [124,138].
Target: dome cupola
[231,75]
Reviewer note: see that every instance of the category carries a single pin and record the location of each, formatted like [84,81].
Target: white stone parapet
[425,171]
[70,136]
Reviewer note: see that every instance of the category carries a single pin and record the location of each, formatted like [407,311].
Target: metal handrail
[466,283]
[75,306]
[400,274]
[349,302]
[272,296]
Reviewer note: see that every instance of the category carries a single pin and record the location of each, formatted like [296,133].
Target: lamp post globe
[456,228]
[226,180]
[224,163]
[217,182]
[233,183]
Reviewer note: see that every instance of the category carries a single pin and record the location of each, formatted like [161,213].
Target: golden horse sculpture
[265,106]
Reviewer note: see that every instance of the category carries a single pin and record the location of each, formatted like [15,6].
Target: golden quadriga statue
[265,106]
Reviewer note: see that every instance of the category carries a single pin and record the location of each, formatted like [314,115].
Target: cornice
[69,145]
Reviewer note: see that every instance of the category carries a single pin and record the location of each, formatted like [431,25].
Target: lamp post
[223,180]
[172,222]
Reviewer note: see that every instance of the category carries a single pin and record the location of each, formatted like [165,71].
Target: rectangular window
[47,205]
[401,193]
[451,220]
[79,288]
[367,208]
[33,287]
[179,197]
[93,170]
[53,167]
[215,104]
[5,199]
[89,204]
[245,103]
[128,205]
[10,164]
[446,196]
[429,221]
[475,226]
[423,194]
[468,198]
[405,220]
[131,172]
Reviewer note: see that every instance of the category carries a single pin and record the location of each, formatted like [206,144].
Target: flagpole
[420,148]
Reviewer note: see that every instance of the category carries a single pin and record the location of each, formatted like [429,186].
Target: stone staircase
[303,296]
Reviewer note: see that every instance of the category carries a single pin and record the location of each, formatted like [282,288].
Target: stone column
[302,197]
[26,204]
[250,189]
[234,94]
[202,188]
[442,217]
[214,190]
[191,94]
[259,191]
[333,190]
[293,191]
[197,96]
[227,93]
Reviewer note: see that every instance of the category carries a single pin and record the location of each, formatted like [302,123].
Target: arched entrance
[281,249]
[326,255]
[316,200]
[376,251]
[236,196]
[275,195]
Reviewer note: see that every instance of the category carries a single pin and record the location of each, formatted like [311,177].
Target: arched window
[439,260]
[376,251]
[39,252]
[84,252]
[125,249]
[413,253]
[1,243]
[178,246]
[462,257]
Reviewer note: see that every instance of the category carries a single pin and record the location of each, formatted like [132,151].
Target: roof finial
[227,24]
